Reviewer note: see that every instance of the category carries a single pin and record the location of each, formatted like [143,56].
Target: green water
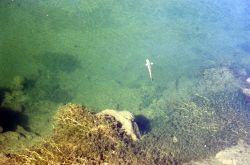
[93,52]
[111,40]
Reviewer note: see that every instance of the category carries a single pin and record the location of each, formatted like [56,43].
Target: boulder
[126,119]
[248,81]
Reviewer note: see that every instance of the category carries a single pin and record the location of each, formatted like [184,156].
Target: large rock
[246,91]
[248,81]
[126,119]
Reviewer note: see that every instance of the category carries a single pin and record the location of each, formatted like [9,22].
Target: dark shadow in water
[9,120]
[46,86]
[28,84]
[2,94]
[143,124]
[56,62]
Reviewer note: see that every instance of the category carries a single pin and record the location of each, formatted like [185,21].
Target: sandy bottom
[235,155]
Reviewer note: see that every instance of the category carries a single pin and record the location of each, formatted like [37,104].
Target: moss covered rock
[81,137]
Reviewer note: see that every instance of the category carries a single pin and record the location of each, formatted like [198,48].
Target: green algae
[81,137]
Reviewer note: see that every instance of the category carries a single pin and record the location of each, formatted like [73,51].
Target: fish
[149,66]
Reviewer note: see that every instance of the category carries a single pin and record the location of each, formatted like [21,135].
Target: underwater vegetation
[81,137]
[14,97]
[183,129]
[198,127]
[21,92]
[24,113]
[12,106]
[149,94]
[15,130]
[217,79]
[47,83]
[46,86]
[94,54]
[213,117]
[28,103]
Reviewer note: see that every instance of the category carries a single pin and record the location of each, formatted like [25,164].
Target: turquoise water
[93,52]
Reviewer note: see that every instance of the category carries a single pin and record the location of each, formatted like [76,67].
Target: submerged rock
[246,92]
[248,81]
[235,155]
[238,154]
[175,140]
[126,119]
[83,137]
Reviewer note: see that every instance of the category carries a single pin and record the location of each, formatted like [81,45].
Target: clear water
[93,52]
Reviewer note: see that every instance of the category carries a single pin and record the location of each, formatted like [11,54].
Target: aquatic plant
[17,83]
[15,100]
[81,137]
[47,86]
[14,97]
[217,79]
[183,128]
[196,117]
